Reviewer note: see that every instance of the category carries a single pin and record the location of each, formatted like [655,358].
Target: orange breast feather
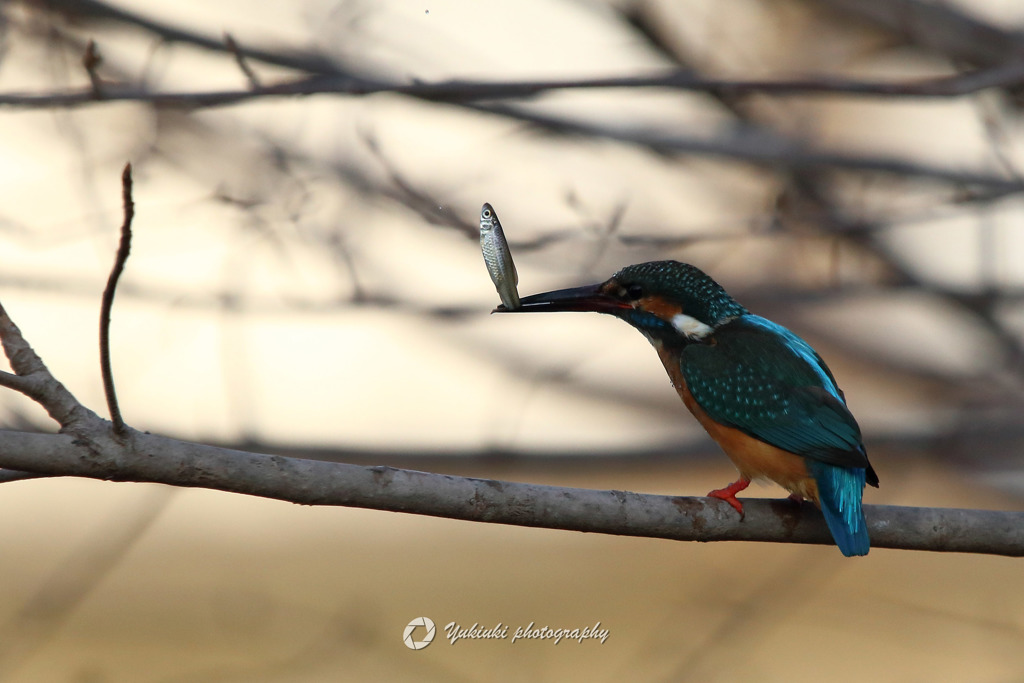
[755,459]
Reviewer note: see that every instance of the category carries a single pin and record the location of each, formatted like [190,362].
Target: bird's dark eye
[635,292]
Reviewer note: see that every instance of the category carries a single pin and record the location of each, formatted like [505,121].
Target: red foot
[728,494]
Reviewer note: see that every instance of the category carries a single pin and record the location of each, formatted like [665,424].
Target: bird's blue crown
[688,286]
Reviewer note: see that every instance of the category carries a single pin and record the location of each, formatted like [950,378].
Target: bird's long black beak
[587,298]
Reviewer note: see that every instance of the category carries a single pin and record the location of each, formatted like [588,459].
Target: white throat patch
[690,326]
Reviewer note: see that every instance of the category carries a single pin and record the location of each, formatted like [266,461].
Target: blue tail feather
[839,491]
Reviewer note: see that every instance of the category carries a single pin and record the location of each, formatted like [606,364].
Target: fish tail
[839,492]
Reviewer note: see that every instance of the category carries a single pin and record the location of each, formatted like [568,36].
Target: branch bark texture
[150,458]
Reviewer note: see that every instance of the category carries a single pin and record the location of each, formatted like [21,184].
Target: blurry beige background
[305,279]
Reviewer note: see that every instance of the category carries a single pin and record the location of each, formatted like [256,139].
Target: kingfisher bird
[758,389]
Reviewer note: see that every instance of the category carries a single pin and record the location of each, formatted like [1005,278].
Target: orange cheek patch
[659,307]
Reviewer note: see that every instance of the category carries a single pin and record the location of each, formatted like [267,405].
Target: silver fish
[498,258]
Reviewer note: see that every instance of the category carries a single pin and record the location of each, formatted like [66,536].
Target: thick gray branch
[145,457]
[32,378]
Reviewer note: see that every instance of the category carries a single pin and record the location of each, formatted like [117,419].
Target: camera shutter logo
[428,638]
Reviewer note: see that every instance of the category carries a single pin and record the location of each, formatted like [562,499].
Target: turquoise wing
[764,380]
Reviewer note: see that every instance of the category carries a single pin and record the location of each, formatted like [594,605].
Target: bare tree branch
[91,60]
[147,457]
[243,63]
[462,91]
[35,381]
[940,26]
[18,475]
[94,9]
[762,147]
[123,249]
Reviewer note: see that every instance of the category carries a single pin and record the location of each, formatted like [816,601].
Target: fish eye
[635,292]
[486,213]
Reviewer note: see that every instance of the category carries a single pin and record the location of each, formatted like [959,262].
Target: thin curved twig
[123,249]
[243,63]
